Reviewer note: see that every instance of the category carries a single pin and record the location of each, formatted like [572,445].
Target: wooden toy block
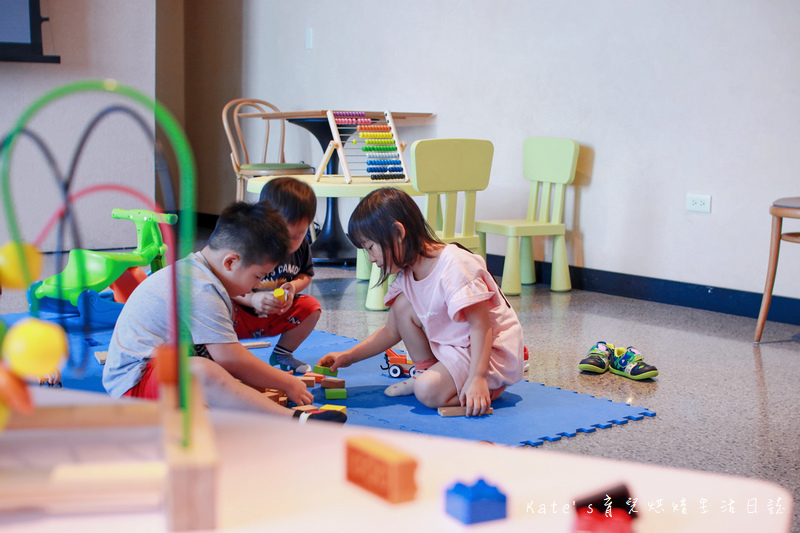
[309,381]
[458,410]
[101,357]
[317,377]
[274,396]
[381,469]
[331,407]
[332,383]
[305,408]
[325,371]
[283,401]
[335,394]
[256,344]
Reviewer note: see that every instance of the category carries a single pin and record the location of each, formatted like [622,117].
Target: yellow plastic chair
[445,168]
[448,168]
[780,209]
[549,164]
[240,157]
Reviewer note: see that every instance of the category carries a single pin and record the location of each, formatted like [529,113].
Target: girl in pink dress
[444,305]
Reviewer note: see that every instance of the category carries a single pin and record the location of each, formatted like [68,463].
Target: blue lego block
[479,503]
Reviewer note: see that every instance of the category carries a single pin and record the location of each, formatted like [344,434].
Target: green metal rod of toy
[187,173]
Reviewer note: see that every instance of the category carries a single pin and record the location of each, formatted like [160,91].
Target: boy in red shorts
[247,243]
[260,313]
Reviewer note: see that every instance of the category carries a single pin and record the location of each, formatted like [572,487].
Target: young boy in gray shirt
[247,242]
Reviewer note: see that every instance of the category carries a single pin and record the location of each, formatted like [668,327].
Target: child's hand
[334,360]
[265,303]
[298,392]
[475,396]
[288,298]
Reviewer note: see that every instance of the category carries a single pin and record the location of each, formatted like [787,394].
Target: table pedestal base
[332,247]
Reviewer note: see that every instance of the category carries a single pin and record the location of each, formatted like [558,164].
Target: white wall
[666,97]
[95,39]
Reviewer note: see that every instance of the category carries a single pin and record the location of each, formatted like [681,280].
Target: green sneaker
[629,363]
[597,359]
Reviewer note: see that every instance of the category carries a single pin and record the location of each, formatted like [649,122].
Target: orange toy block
[317,377]
[332,383]
[458,410]
[380,469]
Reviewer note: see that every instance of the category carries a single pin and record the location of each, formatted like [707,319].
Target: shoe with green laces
[629,363]
[597,359]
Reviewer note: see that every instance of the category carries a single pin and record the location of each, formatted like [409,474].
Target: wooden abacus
[374,151]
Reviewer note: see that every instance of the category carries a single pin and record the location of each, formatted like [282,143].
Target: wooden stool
[783,208]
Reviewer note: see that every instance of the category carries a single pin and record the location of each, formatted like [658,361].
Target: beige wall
[95,39]
[170,78]
[666,97]
[214,51]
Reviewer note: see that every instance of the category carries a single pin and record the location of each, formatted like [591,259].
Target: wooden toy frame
[185,481]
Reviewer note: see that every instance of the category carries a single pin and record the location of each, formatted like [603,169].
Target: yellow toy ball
[11,270]
[34,347]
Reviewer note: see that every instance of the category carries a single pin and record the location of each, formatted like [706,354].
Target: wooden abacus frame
[338,120]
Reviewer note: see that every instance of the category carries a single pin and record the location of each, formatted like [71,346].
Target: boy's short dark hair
[292,198]
[257,232]
[374,219]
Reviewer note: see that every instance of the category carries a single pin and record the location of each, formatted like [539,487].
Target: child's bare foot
[404,388]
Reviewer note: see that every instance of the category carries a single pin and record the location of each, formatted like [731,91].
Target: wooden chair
[447,168]
[240,157]
[549,164]
[780,209]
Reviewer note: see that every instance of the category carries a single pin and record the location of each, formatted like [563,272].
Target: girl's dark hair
[257,232]
[292,198]
[374,220]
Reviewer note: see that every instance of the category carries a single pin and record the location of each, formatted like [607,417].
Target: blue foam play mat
[525,414]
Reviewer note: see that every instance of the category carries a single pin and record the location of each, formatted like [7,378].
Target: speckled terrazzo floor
[723,404]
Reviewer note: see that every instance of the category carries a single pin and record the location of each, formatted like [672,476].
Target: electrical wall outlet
[699,203]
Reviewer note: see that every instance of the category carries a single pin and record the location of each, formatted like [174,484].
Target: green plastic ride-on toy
[76,291]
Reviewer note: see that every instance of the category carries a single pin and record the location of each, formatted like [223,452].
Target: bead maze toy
[374,151]
[185,480]
[77,289]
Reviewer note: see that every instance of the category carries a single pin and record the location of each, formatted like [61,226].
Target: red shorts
[249,326]
[148,386]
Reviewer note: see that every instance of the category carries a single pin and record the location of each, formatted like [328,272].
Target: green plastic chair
[240,158]
[549,164]
[447,169]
